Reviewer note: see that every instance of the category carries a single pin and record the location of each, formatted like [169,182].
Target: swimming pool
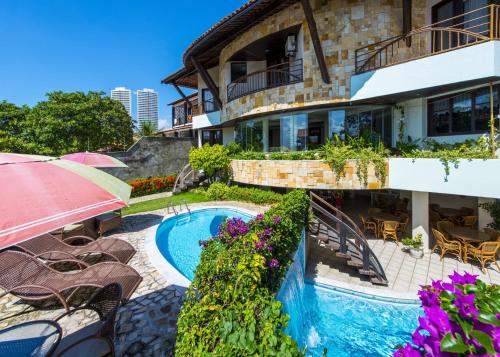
[177,237]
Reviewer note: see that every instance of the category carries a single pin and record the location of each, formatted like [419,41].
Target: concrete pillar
[199,138]
[265,134]
[420,217]
[484,217]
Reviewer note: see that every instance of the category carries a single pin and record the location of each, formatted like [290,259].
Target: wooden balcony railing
[274,76]
[471,28]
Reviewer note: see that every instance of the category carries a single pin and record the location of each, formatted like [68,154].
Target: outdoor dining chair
[390,230]
[49,248]
[96,339]
[443,227]
[469,221]
[403,223]
[486,252]
[445,245]
[368,225]
[30,279]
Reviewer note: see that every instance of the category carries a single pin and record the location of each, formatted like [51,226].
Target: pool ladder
[171,205]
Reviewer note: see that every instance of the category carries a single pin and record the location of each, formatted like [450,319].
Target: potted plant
[414,245]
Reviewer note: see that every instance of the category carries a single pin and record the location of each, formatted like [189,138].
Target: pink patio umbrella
[94,159]
[39,194]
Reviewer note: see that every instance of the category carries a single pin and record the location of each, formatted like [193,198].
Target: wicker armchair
[96,339]
[390,230]
[368,225]
[469,221]
[403,223]
[445,245]
[443,227]
[486,252]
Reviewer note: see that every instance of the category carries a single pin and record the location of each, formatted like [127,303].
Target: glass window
[352,124]
[274,135]
[249,135]
[294,132]
[482,108]
[208,101]
[336,123]
[462,112]
[365,124]
[211,137]
[238,70]
[440,117]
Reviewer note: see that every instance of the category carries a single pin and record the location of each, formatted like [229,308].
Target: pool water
[350,325]
[177,237]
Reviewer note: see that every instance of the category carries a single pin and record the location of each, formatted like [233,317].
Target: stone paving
[146,325]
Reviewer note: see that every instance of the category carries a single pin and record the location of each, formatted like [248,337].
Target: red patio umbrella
[94,159]
[39,194]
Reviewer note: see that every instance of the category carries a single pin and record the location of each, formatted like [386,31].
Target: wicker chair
[368,225]
[403,223]
[29,279]
[445,245]
[390,230]
[486,252]
[443,227]
[469,221]
[96,339]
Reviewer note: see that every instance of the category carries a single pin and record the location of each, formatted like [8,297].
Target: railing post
[366,258]
[492,22]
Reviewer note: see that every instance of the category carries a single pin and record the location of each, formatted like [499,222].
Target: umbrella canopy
[94,159]
[40,194]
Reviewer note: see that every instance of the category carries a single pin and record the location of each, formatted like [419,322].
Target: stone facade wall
[153,156]
[343,26]
[307,174]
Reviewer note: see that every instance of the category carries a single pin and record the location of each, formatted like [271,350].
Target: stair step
[366,272]
[343,255]
[322,237]
[378,281]
[333,245]
[354,262]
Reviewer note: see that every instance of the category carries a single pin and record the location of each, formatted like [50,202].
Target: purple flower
[273,264]
[407,351]
[436,321]
[260,245]
[466,307]
[203,243]
[467,278]
[276,219]
[259,217]
[269,248]
[428,297]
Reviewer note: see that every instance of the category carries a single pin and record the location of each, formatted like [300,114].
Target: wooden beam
[208,81]
[181,93]
[311,24]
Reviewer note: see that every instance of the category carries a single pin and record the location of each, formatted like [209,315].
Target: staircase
[187,179]
[340,234]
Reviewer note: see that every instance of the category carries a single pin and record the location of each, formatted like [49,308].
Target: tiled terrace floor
[405,273]
[146,325]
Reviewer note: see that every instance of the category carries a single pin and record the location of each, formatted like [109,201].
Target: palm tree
[146,128]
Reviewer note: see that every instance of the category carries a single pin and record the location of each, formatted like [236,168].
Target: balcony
[274,76]
[183,115]
[468,29]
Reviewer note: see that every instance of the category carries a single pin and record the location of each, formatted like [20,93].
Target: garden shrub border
[150,185]
[230,307]
[221,192]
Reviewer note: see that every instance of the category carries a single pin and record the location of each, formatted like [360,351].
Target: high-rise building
[124,96]
[147,106]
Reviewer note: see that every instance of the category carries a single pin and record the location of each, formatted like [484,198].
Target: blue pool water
[177,237]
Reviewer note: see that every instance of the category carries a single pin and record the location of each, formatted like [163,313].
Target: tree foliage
[65,123]
[212,160]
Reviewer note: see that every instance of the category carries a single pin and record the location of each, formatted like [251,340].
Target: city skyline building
[124,96]
[147,106]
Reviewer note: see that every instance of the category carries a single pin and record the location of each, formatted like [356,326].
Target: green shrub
[230,308]
[221,192]
[212,160]
[249,155]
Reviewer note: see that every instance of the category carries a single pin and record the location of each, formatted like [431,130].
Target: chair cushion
[82,349]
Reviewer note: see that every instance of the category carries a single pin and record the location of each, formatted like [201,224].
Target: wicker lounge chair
[96,339]
[30,279]
[50,248]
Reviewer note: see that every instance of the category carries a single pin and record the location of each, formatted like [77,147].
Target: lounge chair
[50,248]
[30,279]
[96,339]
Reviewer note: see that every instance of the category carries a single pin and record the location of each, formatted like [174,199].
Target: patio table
[468,235]
[34,338]
[381,217]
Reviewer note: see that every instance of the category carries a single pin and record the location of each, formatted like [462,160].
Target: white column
[199,138]
[420,216]
[265,134]
[484,217]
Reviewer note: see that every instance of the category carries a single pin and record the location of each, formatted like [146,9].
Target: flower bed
[462,318]
[230,308]
[148,186]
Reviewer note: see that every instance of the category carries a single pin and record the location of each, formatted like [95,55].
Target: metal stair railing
[345,227]
[186,173]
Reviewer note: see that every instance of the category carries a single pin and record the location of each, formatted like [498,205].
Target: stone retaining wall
[153,156]
[308,174]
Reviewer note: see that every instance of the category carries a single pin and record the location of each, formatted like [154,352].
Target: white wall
[214,73]
[206,120]
[479,178]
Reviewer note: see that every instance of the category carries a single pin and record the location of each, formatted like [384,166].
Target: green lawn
[159,203]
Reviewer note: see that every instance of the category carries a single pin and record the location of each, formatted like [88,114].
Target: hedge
[221,192]
[230,307]
[148,186]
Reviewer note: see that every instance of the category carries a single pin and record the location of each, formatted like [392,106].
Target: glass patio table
[467,235]
[34,338]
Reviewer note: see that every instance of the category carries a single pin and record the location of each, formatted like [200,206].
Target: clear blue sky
[82,45]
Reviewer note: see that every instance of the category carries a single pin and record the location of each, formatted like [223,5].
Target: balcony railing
[473,27]
[182,116]
[274,76]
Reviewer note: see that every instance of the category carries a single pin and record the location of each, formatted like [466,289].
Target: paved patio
[146,325]
[405,273]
